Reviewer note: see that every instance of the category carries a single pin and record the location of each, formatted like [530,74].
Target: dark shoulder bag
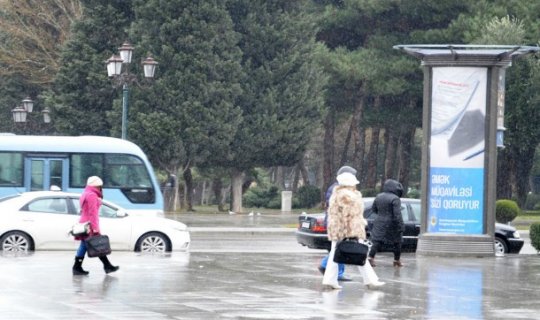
[350,251]
[98,246]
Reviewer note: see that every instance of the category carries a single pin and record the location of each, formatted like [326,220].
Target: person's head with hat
[96,183]
[346,176]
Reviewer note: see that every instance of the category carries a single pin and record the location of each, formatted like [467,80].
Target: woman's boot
[77,267]
[107,265]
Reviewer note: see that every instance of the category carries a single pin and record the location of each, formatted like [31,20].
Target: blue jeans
[341,266]
[81,252]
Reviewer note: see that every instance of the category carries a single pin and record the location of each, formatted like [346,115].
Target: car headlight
[516,234]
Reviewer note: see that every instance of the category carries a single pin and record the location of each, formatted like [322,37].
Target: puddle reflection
[330,303]
[338,302]
[370,299]
[455,293]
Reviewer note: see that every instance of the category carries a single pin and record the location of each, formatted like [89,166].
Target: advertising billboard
[456,150]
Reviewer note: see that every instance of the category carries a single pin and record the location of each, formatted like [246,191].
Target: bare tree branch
[32,33]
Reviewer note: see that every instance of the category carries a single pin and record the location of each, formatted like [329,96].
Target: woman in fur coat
[346,220]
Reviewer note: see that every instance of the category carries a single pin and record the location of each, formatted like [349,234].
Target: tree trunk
[372,158]
[328,156]
[359,155]
[385,137]
[188,178]
[358,136]
[303,172]
[373,150]
[523,169]
[390,163]
[513,175]
[407,132]
[204,192]
[170,193]
[237,180]
[504,161]
[280,177]
[406,141]
[296,179]
[345,152]
[217,187]
[300,171]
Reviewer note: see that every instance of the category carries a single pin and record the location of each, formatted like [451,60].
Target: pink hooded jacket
[90,202]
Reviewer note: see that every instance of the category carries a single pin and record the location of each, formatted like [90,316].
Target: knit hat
[94,181]
[347,179]
[348,169]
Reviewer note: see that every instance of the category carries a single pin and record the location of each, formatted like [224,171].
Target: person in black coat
[388,225]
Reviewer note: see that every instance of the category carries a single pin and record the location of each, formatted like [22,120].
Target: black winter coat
[388,226]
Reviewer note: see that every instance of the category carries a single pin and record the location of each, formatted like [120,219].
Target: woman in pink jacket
[90,202]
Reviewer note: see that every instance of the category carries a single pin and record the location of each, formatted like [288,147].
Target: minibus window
[11,169]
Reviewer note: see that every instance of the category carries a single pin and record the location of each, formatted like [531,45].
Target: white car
[41,220]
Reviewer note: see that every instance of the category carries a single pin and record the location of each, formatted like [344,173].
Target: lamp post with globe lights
[22,111]
[118,70]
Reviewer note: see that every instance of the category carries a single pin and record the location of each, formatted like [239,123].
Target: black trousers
[376,246]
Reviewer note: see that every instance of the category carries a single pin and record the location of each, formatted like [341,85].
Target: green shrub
[534,235]
[506,210]
[259,197]
[532,202]
[370,192]
[275,203]
[414,193]
[307,197]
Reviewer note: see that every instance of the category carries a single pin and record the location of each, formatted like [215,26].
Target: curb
[241,230]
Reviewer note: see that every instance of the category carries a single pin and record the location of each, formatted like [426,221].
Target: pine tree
[82,94]
[190,114]
[282,88]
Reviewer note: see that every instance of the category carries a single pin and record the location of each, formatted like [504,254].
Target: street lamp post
[122,76]
[27,106]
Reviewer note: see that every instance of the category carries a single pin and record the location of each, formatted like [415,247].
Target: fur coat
[346,214]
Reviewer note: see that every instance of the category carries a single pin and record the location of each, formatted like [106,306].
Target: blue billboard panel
[456,203]
[456,150]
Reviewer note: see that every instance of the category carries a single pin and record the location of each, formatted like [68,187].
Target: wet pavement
[258,271]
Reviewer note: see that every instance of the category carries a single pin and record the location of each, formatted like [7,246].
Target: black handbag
[350,251]
[98,246]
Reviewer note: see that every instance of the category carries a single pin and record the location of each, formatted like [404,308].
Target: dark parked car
[311,230]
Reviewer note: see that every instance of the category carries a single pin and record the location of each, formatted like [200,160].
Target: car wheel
[153,242]
[16,241]
[500,246]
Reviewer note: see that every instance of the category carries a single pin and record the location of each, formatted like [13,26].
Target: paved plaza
[271,278]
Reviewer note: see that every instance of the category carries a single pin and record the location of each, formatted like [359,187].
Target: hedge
[534,234]
[506,210]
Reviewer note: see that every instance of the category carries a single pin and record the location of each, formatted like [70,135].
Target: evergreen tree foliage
[283,85]
[81,93]
[497,23]
[189,115]
[364,68]
[12,91]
